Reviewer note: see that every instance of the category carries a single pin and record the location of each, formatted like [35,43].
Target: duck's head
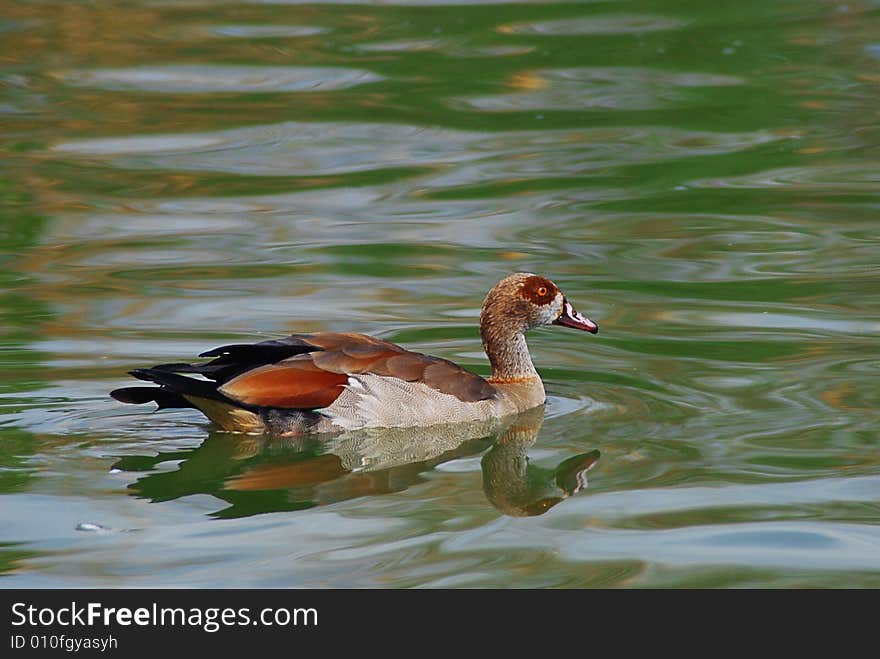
[523,301]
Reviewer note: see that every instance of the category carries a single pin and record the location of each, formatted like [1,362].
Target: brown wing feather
[340,361]
[407,366]
[356,353]
[316,379]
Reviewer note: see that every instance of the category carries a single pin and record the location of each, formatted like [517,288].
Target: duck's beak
[571,318]
[571,474]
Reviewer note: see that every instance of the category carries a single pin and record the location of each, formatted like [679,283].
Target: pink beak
[571,318]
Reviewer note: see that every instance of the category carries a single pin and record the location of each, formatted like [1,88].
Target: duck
[332,382]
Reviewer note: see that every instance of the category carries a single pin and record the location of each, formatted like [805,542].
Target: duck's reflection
[260,474]
[518,488]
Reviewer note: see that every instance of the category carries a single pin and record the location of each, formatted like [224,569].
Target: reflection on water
[583,88]
[518,488]
[700,177]
[615,24]
[265,31]
[259,474]
[440,159]
[201,79]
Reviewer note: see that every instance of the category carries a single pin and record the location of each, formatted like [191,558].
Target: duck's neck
[508,354]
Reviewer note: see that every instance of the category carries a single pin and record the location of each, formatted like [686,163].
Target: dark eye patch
[538,290]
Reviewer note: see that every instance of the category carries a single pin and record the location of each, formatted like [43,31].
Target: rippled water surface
[701,179]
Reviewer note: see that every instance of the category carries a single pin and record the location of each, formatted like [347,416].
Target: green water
[700,179]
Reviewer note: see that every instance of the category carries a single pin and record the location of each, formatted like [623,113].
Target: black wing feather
[230,361]
[164,398]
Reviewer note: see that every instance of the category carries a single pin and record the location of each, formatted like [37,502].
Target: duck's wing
[315,379]
[301,371]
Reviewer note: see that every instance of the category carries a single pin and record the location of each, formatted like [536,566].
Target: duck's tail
[177,390]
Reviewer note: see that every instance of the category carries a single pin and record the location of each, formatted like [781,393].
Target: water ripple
[448,47]
[266,31]
[611,24]
[807,545]
[862,177]
[304,149]
[581,88]
[192,79]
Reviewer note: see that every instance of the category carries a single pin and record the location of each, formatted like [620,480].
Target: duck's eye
[542,291]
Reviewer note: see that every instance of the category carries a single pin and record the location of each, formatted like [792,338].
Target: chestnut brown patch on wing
[538,290]
[296,383]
